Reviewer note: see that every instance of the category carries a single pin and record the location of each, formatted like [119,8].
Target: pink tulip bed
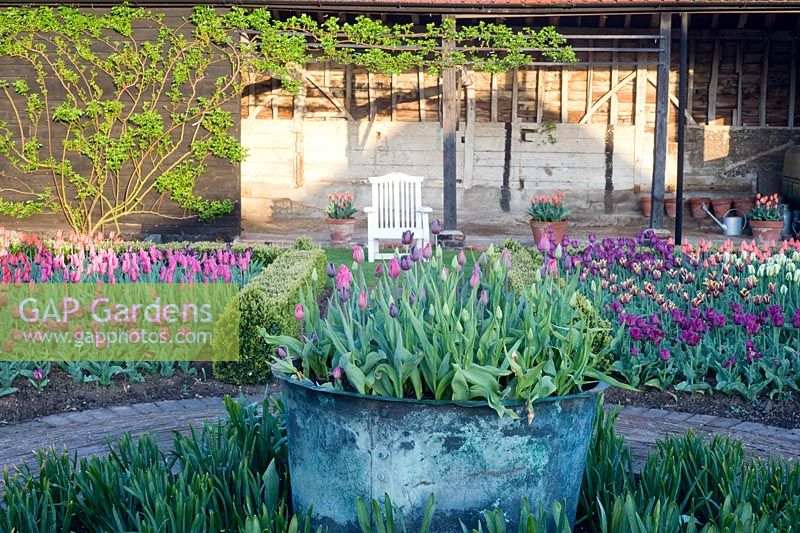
[29,389]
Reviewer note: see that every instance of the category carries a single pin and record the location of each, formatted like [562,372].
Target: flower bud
[362,300]
[299,312]
[436,227]
[393,311]
[446,310]
[330,270]
[358,254]
[337,373]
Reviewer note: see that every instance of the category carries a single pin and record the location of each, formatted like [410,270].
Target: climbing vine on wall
[114,113]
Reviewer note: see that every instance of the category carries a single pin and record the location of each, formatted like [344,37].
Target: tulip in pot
[548,217]
[766,220]
[439,381]
[340,219]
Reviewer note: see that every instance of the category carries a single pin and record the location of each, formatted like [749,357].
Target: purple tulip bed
[714,330]
[30,389]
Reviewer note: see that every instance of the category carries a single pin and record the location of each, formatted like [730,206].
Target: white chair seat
[396,208]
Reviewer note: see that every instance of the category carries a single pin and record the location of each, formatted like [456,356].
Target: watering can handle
[744,215]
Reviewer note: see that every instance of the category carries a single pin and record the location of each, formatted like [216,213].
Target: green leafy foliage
[432,331]
[267,303]
[548,208]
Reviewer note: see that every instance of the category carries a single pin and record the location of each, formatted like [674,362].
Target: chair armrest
[370,210]
[424,209]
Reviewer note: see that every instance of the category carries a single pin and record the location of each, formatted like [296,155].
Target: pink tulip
[358,254]
[394,268]
[475,279]
[343,278]
[427,251]
[362,300]
[299,312]
[337,373]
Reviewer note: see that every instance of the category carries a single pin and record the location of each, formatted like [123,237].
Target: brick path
[86,432]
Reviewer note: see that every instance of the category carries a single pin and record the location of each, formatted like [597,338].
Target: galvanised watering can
[732,226]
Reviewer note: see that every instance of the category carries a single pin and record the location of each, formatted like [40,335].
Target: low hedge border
[268,302]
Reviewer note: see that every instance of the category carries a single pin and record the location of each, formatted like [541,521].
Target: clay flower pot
[540,228]
[721,206]
[341,230]
[647,205]
[766,231]
[696,206]
[744,203]
[671,207]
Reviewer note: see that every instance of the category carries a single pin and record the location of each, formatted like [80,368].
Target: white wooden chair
[396,207]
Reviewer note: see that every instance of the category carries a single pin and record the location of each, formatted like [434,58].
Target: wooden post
[421,93]
[564,95]
[273,98]
[373,109]
[540,95]
[514,95]
[589,79]
[737,121]
[660,139]
[762,100]
[613,105]
[469,132]
[639,120]
[712,85]
[449,152]
[792,83]
[493,108]
[348,87]
[298,121]
[394,97]
[683,85]
[690,90]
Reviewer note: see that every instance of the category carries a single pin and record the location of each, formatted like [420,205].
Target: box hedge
[268,301]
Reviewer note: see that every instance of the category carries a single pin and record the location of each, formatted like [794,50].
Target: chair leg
[372,249]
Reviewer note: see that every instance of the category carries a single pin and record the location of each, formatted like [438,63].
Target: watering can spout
[720,224]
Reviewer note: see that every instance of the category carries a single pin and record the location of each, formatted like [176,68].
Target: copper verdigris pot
[344,445]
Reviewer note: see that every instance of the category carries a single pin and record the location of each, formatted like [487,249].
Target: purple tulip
[427,251]
[393,311]
[281,351]
[796,319]
[415,254]
[406,263]
[664,354]
[330,270]
[379,270]
[38,374]
[412,298]
[462,258]
[634,351]
[408,237]
[436,227]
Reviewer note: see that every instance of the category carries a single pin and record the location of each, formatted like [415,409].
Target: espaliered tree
[112,114]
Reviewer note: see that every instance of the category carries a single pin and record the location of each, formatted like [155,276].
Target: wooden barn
[604,130]
[590,129]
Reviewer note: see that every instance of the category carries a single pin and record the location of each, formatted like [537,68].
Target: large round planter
[766,231]
[647,205]
[540,229]
[696,207]
[344,445]
[721,206]
[671,207]
[341,230]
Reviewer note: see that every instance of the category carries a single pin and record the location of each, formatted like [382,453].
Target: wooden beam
[683,71]
[674,100]
[737,121]
[469,132]
[589,80]
[275,85]
[394,97]
[373,111]
[564,95]
[515,95]
[690,81]
[493,102]
[450,96]
[298,121]
[660,136]
[348,87]
[639,121]
[712,84]
[613,106]
[762,99]
[335,101]
[421,93]
[617,85]
[540,94]
[792,85]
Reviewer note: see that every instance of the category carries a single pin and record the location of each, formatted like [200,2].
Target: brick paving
[87,432]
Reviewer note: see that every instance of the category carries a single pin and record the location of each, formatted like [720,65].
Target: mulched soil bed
[785,414]
[61,395]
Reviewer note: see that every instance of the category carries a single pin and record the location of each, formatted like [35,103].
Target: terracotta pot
[671,207]
[341,230]
[540,228]
[766,231]
[745,203]
[647,205]
[696,206]
[721,206]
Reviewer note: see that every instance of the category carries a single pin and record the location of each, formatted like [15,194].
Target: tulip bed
[695,318]
[27,259]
